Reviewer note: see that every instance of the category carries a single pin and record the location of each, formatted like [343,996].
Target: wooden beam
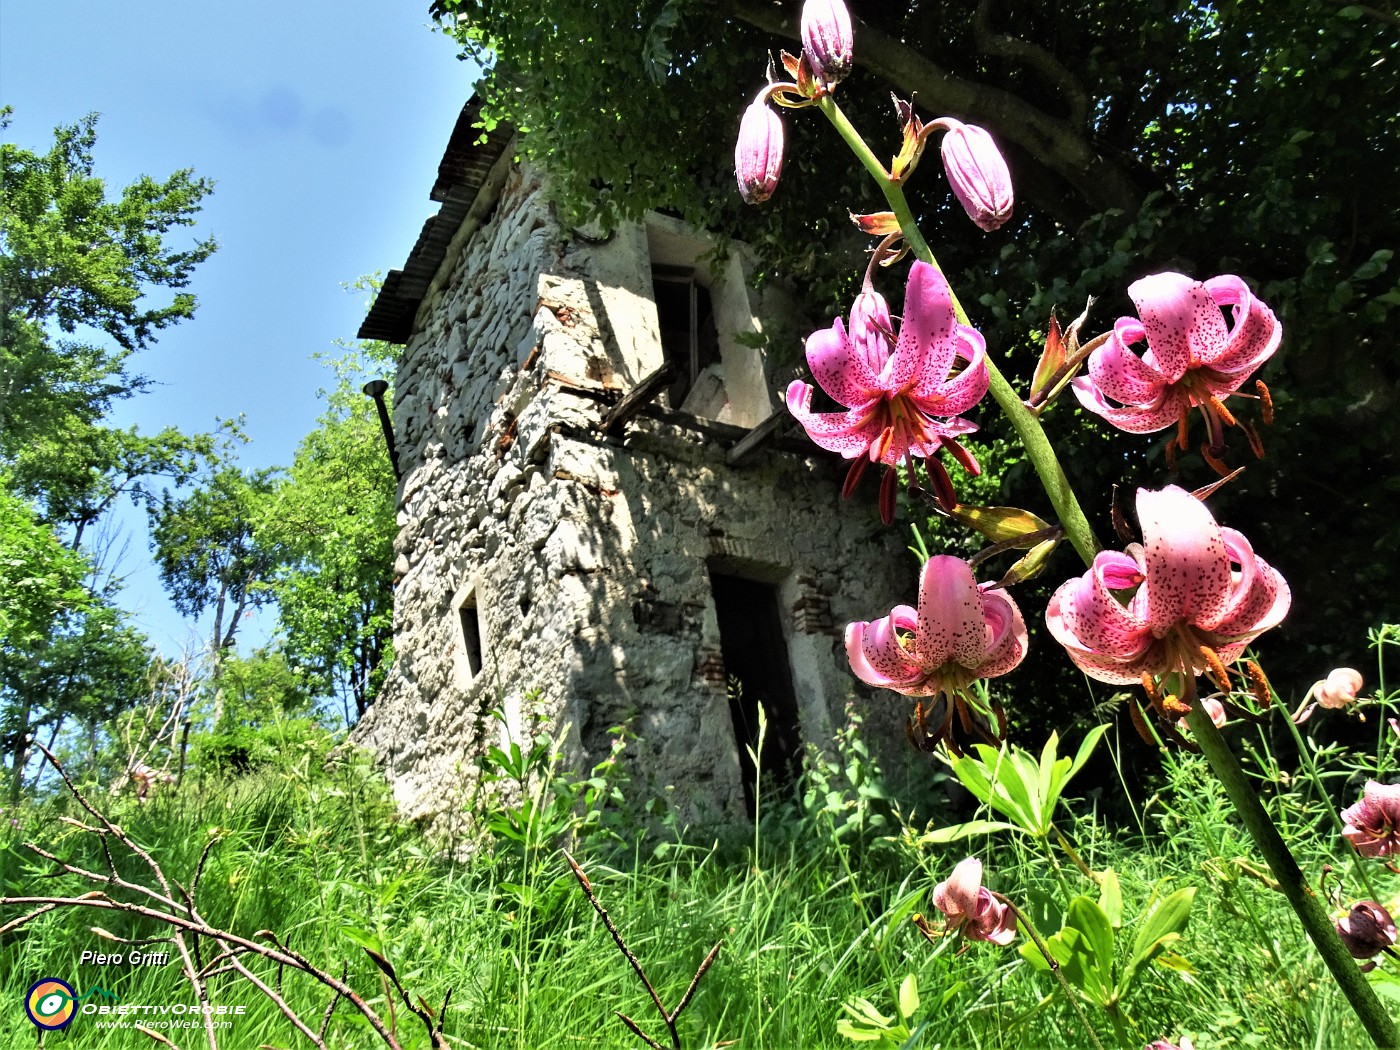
[746,445]
[642,395]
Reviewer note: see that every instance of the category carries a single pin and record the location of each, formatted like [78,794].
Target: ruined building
[603,517]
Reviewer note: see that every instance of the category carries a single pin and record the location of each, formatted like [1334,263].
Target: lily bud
[758,155]
[827,39]
[978,174]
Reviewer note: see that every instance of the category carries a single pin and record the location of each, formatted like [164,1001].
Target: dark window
[756,664]
[471,635]
[689,339]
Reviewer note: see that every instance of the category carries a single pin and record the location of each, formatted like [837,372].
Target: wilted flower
[827,39]
[1194,359]
[901,401]
[1367,930]
[1373,824]
[758,155]
[1335,692]
[1201,593]
[971,907]
[977,173]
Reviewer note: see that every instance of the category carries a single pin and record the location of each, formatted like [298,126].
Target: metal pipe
[376,388]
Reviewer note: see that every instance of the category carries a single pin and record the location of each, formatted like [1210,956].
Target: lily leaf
[954,832]
[908,996]
[1161,926]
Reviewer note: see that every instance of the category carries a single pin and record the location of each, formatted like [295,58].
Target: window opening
[689,338]
[757,668]
[471,634]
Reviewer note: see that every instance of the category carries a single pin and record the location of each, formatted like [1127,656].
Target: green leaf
[1111,898]
[1093,924]
[908,996]
[954,832]
[1162,925]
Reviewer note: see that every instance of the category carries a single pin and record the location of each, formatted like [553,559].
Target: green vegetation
[814,913]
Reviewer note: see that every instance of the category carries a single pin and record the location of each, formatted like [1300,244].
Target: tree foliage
[1239,137]
[331,521]
[208,553]
[79,271]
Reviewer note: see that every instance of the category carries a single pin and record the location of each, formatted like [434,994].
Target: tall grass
[813,911]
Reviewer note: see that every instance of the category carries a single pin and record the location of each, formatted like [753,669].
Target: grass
[813,912]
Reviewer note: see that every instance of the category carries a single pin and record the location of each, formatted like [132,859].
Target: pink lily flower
[1373,824]
[1202,595]
[961,632]
[901,401]
[1367,930]
[971,907]
[1194,359]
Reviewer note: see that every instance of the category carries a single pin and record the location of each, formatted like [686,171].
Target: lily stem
[1053,963]
[1373,1016]
[1025,422]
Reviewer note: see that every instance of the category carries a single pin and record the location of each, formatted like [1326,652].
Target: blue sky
[322,125]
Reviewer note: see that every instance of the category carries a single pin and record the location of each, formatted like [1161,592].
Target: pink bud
[827,39]
[758,155]
[978,173]
[1214,708]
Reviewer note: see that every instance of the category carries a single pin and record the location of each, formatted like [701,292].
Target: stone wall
[583,561]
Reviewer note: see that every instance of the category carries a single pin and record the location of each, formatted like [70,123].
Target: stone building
[590,538]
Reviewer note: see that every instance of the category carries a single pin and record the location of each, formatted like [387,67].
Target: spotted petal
[950,613]
[1005,644]
[1186,562]
[1119,373]
[1184,326]
[840,368]
[849,433]
[1254,333]
[1135,419]
[926,335]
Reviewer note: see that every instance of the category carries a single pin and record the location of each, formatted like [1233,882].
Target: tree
[332,522]
[1237,137]
[78,269]
[208,554]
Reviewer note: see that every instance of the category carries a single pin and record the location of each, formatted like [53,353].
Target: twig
[668,1017]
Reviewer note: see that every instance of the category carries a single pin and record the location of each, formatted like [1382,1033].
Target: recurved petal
[956,896]
[1184,326]
[1254,331]
[1088,612]
[941,396]
[1005,634]
[1119,373]
[849,433]
[1186,562]
[1259,598]
[926,343]
[950,614]
[1135,419]
[1111,669]
[840,368]
[875,654]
